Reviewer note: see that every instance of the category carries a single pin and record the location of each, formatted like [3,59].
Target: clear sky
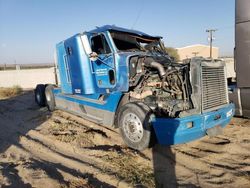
[29,29]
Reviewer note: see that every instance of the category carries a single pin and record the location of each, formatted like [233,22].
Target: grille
[214,88]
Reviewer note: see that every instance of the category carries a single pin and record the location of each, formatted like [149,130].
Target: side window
[100,45]
[66,63]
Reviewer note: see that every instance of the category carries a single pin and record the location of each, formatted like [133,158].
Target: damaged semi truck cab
[125,79]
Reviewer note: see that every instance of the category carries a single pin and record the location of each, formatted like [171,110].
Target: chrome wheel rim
[47,96]
[133,127]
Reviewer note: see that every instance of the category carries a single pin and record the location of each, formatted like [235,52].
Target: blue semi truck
[124,79]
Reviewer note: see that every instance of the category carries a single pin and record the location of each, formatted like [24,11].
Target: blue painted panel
[175,131]
[122,72]
[101,68]
[64,69]
[81,72]
[57,90]
[110,103]
[95,96]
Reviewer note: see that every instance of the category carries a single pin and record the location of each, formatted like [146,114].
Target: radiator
[214,87]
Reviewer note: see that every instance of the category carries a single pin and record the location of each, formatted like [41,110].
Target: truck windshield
[130,42]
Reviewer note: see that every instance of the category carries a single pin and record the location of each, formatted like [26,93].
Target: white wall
[230,67]
[28,78]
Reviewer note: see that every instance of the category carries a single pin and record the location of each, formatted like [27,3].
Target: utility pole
[210,31]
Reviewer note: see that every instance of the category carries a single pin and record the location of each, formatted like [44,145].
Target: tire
[40,95]
[134,125]
[50,98]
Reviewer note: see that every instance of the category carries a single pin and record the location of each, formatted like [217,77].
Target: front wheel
[134,124]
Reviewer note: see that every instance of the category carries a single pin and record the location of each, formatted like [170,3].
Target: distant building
[197,50]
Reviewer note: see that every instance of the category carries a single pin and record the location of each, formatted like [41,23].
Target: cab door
[64,68]
[103,65]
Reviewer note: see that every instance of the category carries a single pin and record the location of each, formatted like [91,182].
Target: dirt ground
[43,149]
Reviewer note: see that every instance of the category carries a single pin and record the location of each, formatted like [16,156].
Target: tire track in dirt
[221,159]
[42,149]
[102,144]
[44,153]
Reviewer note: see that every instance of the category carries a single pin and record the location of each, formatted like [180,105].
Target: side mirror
[93,56]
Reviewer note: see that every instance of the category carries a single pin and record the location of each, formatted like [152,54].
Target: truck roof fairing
[123,30]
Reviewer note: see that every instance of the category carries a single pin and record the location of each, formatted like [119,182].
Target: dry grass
[78,183]
[125,164]
[62,131]
[10,92]
[126,167]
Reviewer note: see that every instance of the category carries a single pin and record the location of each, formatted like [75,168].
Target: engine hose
[174,91]
[164,79]
[183,88]
[149,62]
[159,67]
[165,88]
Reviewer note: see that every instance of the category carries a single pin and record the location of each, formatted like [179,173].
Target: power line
[138,15]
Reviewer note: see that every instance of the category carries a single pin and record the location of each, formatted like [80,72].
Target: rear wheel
[40,95]
[50,98]
[134,124]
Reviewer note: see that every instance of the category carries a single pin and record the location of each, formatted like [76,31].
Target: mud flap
[214,131]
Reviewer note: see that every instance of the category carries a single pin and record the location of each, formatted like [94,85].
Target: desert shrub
[172,52]
[10,91]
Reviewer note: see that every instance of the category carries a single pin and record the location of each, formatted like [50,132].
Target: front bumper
[171,131]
